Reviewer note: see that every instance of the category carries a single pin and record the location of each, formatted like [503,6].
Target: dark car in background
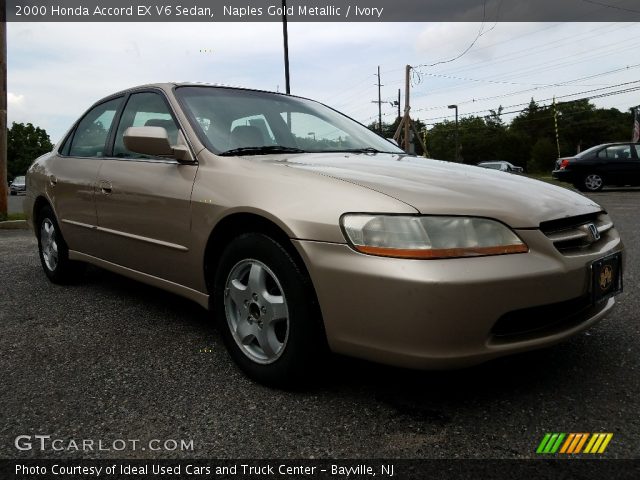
[502,166]
[616,164]
[18,186]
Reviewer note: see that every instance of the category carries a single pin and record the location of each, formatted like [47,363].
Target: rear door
[619,164]
[73,172]
[143,203]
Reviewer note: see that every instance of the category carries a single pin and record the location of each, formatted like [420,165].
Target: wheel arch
[236,224]
[38,205]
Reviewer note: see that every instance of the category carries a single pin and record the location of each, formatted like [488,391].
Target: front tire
[267,311]
[54,253]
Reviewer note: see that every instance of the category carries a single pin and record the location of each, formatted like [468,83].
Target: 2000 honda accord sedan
[302,231]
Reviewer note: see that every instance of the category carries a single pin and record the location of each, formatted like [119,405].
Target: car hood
[446,188]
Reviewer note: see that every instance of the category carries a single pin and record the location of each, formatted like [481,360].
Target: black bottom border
[199,469]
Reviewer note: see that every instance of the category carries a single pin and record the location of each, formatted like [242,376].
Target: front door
[143,203]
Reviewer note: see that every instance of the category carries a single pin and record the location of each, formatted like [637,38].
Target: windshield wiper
[264,150]
[357,150]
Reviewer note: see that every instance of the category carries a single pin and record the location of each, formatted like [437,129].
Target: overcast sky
[57,70]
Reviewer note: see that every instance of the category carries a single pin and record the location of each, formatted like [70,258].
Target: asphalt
[110,358]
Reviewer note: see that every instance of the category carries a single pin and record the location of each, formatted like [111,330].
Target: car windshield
[18,180]
[246,122]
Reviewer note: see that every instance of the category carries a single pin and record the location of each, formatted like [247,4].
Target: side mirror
[154,141]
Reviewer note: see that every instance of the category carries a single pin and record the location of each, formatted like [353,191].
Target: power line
[350,97]
[615,7]
[480,34]
[536,69]
[540,88]
[602,95]
[568,40]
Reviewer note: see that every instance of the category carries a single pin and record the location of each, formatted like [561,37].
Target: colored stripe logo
[573,443]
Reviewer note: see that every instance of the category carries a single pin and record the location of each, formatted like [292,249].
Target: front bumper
[443,313]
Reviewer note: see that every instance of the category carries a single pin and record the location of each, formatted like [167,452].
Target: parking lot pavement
[111,359]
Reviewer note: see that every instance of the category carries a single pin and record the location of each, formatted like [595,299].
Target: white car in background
[502,166]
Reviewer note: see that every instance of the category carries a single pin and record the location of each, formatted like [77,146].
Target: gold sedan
[304,232]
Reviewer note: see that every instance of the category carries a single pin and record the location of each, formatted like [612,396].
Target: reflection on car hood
[437,187]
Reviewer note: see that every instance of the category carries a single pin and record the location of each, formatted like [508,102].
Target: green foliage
[25,143]
[310,143]
[529,140]
[389,130]
[543,155]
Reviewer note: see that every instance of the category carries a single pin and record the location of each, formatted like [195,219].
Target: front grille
[544,320]
[573,234]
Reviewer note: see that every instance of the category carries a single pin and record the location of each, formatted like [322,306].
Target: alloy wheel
[593,182]
[49,244]
[256,311]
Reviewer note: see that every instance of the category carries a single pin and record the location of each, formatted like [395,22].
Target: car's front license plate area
[606,278]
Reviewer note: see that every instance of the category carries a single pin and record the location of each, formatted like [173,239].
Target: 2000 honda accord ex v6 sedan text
[302,231]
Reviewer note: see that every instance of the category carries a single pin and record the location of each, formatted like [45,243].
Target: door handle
[105,187]
[53,181]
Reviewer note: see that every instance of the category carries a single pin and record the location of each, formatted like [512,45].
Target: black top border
[488,11]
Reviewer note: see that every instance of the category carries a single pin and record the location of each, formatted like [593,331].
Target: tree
[389,129]
[529,140]
[25,143]
[543,156]
[494,119]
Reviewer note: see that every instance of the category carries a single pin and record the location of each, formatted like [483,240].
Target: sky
[57,70]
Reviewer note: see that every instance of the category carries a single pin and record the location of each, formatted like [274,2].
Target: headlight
[429,237]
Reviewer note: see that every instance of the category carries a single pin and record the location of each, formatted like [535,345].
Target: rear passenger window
[66,146]
[617,152]
[91,134]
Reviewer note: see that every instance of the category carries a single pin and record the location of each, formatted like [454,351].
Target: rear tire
[267,312]
[54,253]
[14,193]
[592,182]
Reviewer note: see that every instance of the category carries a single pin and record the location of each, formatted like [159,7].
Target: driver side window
[146,109]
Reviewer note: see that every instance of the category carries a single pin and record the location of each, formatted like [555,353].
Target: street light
[457,138]
[314,135]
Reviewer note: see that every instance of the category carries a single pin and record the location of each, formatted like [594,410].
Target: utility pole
[406,123]
[285,37]
[3,112]
[379,102]
[457,154]
[407,107]
[398,103]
